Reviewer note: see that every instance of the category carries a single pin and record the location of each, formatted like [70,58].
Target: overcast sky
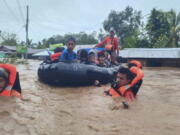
[51,17]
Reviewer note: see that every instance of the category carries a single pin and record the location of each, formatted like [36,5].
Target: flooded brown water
[50,110]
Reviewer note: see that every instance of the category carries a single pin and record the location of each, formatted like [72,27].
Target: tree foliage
[174,21]
[8,39]
[163,28]
[82,38]
[157,26]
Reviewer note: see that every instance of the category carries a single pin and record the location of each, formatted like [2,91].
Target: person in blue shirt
[68,54]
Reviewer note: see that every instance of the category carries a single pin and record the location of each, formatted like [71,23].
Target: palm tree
[174,21]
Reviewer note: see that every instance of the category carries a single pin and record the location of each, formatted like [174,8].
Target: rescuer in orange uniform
[9,81]
[128,82]
[111,44]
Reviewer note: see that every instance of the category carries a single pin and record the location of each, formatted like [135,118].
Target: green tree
[43,44]
[8,39]
[158,28]
[82,38]
[161,42]
[58,39]
[174,21]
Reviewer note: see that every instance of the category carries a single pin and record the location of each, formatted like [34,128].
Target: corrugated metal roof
[150,53]
[43,53]
[33,51]
[13,48]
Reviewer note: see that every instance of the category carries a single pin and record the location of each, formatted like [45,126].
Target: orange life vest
[109,47]
[137,63]
[12,73]
[5,93]
[12,77]
[55,56]
[139,75]
[119,92]
[109,41]
[123,92]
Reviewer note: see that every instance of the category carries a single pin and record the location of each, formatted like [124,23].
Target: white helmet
[112,29]
[93,51]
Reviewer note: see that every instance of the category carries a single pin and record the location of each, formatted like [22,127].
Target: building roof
[11,49]
[125,53]
[43,53]
[33,51]
[150,53]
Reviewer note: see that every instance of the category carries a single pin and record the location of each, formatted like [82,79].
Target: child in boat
[83,56]
[9,81]
[68,54]
[92,59]
[103,62]
[57,53]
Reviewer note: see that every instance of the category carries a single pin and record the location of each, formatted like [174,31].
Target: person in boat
[92,59]
[57,53]
[68,54]
[111,45]
[9,81]
[102,61]
[127,84]
[83,56]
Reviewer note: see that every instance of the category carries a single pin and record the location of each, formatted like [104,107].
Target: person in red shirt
[57,53]
[9,81]
[111,44]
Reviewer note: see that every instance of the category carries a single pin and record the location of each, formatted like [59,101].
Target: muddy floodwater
[48,110]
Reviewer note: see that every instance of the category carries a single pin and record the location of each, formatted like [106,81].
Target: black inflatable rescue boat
[75,74]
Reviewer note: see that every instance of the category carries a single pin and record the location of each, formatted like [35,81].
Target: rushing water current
[48,110]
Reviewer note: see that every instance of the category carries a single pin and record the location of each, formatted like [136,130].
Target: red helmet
[137,63]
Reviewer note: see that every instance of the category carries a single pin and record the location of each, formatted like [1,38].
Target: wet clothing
[107,41]
[137,63]
[55,56]
[129,91]
[138,75]
[68,55]
[137,81]
[12,73]
[128,94]
[116,92]
[135,88]
[13,83]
